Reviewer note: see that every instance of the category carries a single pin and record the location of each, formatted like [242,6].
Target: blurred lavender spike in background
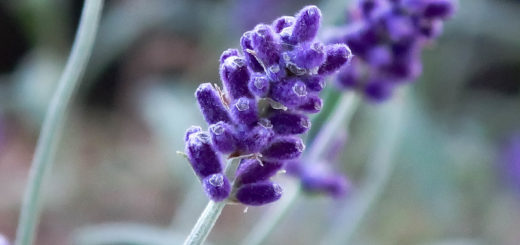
[387,38]
[510,159]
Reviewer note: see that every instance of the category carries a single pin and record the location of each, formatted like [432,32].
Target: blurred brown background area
[117,162]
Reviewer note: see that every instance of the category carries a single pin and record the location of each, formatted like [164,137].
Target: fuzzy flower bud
[247,48]
[282,23]
[235,76]
[255,139]
[306,25]
[216,186]
[291,92]
[259,85]
[210,104]
[337,56]
[284,148]
[259,193]
[312,104]
[222,137]
[201,155]
[287,123]
[254,170]
[244,111]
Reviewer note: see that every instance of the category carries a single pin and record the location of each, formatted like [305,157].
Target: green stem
[46,146]
[379,170]
[209,216]
[205,223]
[341,114]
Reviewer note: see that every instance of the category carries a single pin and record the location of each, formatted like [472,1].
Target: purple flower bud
[430,28]
[349,76]
[335,185]
[252,62]
[191,130]
[439,9]
[286,123]
[290,92]
[283,22]
[306,57]
[404,68]
[259,85]
[235,76]
[307,24]
[201,155]
[337,56]
[255,139]
[294,167]
[260,193]
[510,161]
[284,148]
[379,56]
[216,186]
[228,53]
[210,104]
[314,83]
[265,45]
[368,6]
[378,90]
[399,27]
[222,137]
[312,104]
[244,111]
[360,37]
[252,170]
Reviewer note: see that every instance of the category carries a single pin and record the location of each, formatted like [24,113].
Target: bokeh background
[117,173]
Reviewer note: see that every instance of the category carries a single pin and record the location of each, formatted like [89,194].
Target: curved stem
[54,118]
[379,170]
[341,114]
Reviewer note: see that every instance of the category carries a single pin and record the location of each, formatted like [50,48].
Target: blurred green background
[117,170]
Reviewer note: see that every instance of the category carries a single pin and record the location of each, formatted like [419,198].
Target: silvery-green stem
[379,170]
[340,117]
[205,223]
[54,118]
[209,216]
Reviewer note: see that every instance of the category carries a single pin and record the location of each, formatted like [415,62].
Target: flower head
[386,37]
[268,88]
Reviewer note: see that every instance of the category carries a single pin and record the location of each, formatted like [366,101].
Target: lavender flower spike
[280,66]
[386,39]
